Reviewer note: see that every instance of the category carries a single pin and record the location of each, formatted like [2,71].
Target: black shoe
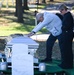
[46,60]
[65,67]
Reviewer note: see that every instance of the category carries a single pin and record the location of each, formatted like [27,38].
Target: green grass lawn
[9,24]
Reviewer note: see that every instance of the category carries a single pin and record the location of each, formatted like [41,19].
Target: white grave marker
[22,62]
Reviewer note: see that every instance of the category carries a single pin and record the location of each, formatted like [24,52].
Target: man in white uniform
[53,24]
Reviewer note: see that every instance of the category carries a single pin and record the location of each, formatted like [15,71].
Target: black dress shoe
[65,66]
[46,60]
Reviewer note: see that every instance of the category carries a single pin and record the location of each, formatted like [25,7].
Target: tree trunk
[25,5]
[19,11]
[51,0]
[16,9]
[37,2]
[43,1]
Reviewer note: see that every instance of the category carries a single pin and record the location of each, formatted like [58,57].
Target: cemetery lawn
[9,25]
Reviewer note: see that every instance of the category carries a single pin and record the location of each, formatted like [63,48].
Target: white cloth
[52,23]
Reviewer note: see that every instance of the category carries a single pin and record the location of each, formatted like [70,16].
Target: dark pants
[66,49]
[49,45]
[65,43]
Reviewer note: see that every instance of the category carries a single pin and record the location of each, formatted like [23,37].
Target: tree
[16,8]
[51,0]
[43,1]
[25,6]
[19,11]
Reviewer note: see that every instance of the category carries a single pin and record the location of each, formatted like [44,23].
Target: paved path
[55,6]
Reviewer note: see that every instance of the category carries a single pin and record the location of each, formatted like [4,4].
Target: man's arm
[46,21]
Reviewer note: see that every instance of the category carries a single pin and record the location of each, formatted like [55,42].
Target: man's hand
[30,34]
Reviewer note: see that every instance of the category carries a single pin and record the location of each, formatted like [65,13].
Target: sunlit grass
[9,24]
[13,28]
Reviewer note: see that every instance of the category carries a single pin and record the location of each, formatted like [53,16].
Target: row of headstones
[1,3]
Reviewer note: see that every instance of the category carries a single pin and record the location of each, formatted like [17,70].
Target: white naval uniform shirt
[52,23]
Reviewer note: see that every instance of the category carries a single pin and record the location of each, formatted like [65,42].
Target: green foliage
[73,7]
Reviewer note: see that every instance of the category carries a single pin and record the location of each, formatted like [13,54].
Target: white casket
[32,46]
[19,52]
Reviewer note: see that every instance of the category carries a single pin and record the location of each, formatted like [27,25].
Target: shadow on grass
[28,17]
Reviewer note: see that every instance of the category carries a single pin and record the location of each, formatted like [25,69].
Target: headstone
[22,62]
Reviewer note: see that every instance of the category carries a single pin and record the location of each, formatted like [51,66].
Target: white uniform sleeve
[47,20]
